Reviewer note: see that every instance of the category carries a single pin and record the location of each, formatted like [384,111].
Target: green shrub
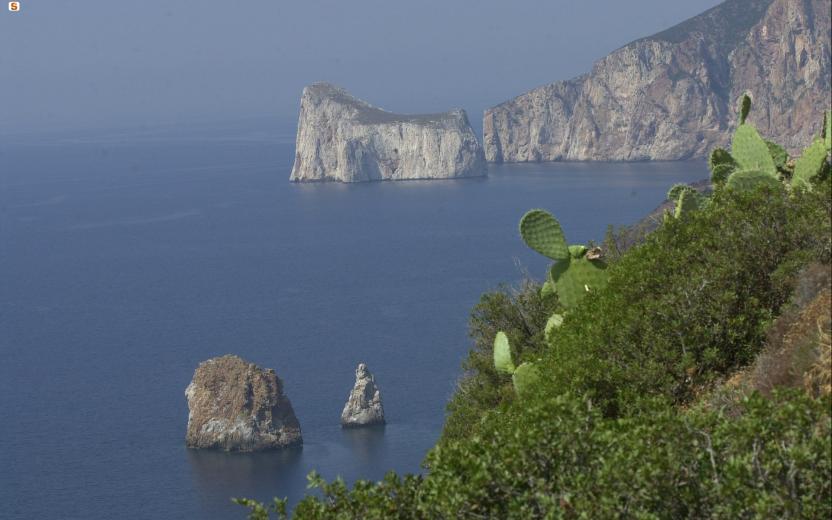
[562,458]
[692,303]
[521,313]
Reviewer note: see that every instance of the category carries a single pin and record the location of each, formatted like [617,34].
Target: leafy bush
[562,458]
[692,303]
[521,313]
[797,353]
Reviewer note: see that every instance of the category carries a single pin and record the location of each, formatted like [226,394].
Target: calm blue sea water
[128,258]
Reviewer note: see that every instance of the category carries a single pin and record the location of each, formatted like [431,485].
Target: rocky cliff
[363,406]
[672,95]
[341,138]
[238,406]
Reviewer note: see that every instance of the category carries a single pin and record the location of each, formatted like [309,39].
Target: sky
[86,64]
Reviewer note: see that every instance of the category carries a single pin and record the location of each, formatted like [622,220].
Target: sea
[128,256]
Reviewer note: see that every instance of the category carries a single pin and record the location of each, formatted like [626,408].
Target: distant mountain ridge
[672,95]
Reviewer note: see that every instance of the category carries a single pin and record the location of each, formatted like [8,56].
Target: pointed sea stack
[363,407]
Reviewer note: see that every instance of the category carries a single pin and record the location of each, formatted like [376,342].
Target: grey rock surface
[341,138]
[673,95]
[237,406]
[363,407]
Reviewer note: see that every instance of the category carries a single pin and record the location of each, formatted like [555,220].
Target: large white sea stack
[341,138]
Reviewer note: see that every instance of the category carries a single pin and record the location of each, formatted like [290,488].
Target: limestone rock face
[363,407]
[341,138]
[237,406]
[673,95]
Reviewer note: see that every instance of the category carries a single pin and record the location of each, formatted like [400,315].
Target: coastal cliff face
[237,406]
[672,95]
[341,138]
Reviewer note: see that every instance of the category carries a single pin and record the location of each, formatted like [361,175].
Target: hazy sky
[98,63]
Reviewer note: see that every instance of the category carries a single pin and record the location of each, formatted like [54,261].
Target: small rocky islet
[237,406]
[363,407]
[234,405]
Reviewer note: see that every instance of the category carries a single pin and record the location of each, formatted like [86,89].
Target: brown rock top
[237,406]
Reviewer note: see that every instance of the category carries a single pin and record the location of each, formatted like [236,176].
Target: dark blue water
[127,259]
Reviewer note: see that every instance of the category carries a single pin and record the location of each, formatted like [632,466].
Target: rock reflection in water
[366,443]
[218,476]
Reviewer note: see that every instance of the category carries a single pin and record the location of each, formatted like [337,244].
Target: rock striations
[341,138]
[672,95]
[363,407]
[238,406]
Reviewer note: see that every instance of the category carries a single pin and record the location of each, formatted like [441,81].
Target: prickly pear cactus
[577,251]
[547,289]
[751,152]
[542,232]
[554,322]
[576,267]
[688,202]
[502,354]
[756,160]
[746,180]
[576,277]
[745,108]
[810,164]
[525,378]
[676,191]
[721,165]
[687,199]
[779,155]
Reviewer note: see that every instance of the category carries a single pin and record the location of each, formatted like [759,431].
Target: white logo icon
[14,6]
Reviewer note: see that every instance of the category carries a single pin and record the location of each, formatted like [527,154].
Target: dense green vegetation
[689,378]
[521,314]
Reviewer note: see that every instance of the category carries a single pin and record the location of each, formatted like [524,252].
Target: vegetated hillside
[685,377]
[670,96]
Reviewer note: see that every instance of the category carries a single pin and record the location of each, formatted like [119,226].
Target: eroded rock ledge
[237,406]
[341,138]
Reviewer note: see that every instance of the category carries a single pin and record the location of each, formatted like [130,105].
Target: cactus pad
[720,173]
[547,289]
[746,180]
[688,201]
[720,156]
[525,378]
[809,164]
[751,152]
[577,251]
[542,232]
[576,277]
[676,191]
[778,154]
[745,108]
[721,165]
[502,354]
[554,322]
